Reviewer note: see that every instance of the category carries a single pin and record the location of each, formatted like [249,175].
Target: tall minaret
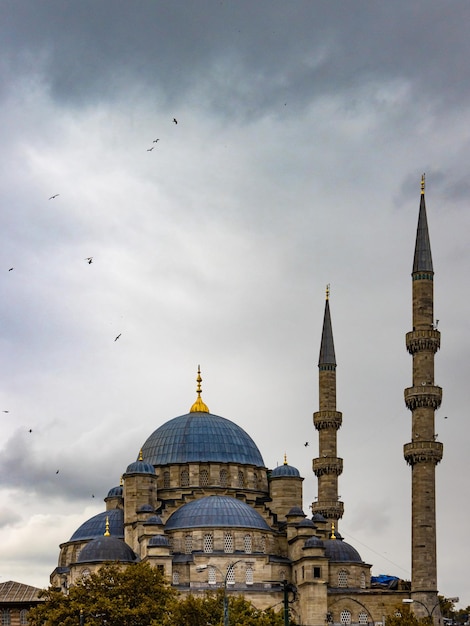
[422,399]
[327,467]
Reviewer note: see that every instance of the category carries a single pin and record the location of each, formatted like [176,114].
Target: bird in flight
[54,196]
[155,140]
[57,471]
[89,259]
[306,444]
[6,411]
[30,430]
[118,337]
[11,268]
[150,149]
[175,120]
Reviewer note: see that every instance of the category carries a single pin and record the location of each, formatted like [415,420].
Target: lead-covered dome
[199,437]
[339,550]
[216,511]
[95,526]
[107,548]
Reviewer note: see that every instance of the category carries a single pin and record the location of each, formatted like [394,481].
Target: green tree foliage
[404,616]
[134,596]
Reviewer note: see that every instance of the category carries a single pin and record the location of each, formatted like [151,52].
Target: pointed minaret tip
[285,458]
[328,291]
[327,356]
[423,183]
[199,406]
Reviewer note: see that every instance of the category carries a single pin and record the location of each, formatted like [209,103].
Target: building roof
[338,550]
[12,592]
[96,525]
[285,470]
[201,437]
[104,549]
[216,511]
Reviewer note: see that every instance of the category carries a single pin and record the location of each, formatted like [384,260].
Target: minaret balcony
[423,451]
[327,465]
[423,340]
[427,396]
[327,419]
[330,509]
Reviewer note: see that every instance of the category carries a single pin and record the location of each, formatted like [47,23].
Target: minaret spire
[327,467]
[423,453]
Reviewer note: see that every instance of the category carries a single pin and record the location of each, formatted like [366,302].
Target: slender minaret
[327,467]
[422,399]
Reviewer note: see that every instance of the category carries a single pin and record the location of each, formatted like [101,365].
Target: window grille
[204,478]
[23,617]
[345,617]
[176,577]
[362,583]
[248,544]
[241,479]
[262,544]
[230,576]
[363,618]
[212,575]
[342,578]
[6,617]
[228,542]
[223,478]
[208,543]
[188,544]
[184,478]
[166,480]
[249,575]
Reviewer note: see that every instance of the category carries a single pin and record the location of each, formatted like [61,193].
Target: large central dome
[201,437]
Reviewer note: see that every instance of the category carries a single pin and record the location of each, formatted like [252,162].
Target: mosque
[200,504]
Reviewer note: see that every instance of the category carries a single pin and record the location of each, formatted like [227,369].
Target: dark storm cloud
[252,57]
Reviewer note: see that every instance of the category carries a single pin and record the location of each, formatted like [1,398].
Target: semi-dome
[115,492]
[107,548]
[216,511]
[160,541]
[314,542]
[338,550]
[95,526]
[199,437]
[140,466]
[154,519]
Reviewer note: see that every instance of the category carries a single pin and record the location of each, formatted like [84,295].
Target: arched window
[230,576]
[203,478]
[208,543]
[248,544]
[188,543]
[176,577]
[166,479]
[345,617]
[249,575]
[6,617]
[363,618]
[342,578]
[262,544]
[362,582]
[223,478]
[23,617]
[228,542]
[184,478]
[255,481]
[241,479]
[212,575]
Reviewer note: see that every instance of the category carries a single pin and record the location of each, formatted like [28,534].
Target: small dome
[95,526]
[314,542]
[216,511]
[107,549]
[201,437]
[339,550]
[145,508]
[115,492]
[154,519]
[285,470]
[159,540]
[140,467]
[318,517]
[296,511]
[307,523]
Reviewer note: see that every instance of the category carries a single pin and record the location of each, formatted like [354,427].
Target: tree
[137,595]
[404,616]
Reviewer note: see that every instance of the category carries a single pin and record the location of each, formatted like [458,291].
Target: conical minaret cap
[422,260]
[327,348]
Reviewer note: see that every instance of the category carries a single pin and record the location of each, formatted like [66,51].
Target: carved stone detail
[327,465]
[419,340]
[422,451]
[429,396]
[327,419]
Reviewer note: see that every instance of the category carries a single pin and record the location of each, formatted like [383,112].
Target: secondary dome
[216,511]
[107,549]
[95,526]
[199,437]
[339,550]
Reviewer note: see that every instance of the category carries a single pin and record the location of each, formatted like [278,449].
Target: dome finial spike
[423,183]
[332,536]
[328,291]
[141,458]
[285,458]
[199,406]
[106,532]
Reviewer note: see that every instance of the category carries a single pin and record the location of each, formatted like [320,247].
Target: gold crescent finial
[328,291]
[199,406]
[423,183]
[332,536]
[106,532]
[141,458]
[285,458]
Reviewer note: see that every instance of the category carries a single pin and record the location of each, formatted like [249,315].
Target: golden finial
[199,406]
[332,536]
[423,183]
[106,532]
[285,458]
[328,291]
[141,458]
[121,482]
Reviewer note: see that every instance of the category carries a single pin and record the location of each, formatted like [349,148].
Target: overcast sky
[303,130]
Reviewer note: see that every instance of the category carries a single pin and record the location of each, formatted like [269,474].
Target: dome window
[230,576]
[223,478]
[345,617]
[188,544]
[362,582]
[208,543]
[212,575]
[241,479]
[249,575]
[166,480]
[184,478]
[204,478]
[228,542]
[343,580]
[248,544]
[176,577]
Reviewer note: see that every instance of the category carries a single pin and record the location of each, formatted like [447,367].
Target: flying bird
[6,411]
[57,471]
[155,140]
[117,337]
[89,259]
[11,268]
[30,430]
[306,444]
[175,120]
[150,149]
[54,196]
